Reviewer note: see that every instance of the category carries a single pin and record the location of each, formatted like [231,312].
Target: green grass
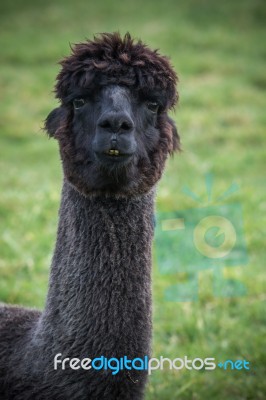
[218,49]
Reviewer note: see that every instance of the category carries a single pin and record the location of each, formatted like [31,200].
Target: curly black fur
[114,136]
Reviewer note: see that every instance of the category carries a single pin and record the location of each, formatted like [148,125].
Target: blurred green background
[218,49]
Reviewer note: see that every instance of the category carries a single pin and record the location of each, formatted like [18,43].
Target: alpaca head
[112,125]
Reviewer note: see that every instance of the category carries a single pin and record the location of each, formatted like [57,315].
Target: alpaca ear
[54,121]
[175,137]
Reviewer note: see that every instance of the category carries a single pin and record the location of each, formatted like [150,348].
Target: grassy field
[218,50]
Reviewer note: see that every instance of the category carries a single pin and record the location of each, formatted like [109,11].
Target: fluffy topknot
[112,59]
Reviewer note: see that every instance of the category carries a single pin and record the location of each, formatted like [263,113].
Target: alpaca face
[105,126]
[117,140]
[114,134]
[115,127]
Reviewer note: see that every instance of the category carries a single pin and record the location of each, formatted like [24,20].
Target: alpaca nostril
[105,124]
[126,126]
[119,122]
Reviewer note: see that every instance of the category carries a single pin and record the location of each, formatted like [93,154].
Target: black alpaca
[114,137]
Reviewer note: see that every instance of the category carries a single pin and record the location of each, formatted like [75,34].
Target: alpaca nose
[116,122]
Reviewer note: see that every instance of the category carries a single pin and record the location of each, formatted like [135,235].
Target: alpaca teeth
[113,152]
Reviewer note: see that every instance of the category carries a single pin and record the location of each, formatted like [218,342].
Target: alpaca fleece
[98,303]
[114,137]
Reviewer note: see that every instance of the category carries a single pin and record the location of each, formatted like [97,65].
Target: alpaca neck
[99,300]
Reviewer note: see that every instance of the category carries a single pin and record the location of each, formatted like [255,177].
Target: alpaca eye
[78,103]
[153,106]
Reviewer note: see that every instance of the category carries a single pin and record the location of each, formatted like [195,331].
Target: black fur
[99,298]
